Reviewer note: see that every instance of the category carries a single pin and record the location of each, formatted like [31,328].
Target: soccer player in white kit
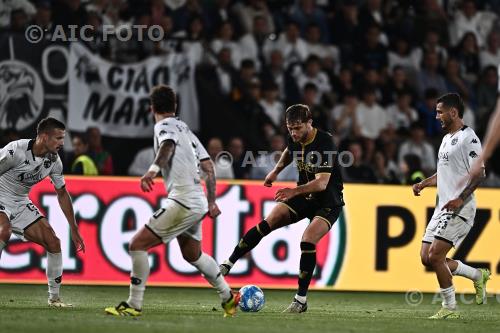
[24,163]
[456,206]
[179,155]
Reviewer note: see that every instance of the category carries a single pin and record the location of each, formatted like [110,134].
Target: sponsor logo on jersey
[473,154]
[29,177]
[11,152]
[473,141]
[454,141]
[27,162]
[47,164]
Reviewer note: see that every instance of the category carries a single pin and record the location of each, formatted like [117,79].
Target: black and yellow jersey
[319,155]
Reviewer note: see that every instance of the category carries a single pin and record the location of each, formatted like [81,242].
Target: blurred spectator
[102,158]
[310,97]
[401,115]
[344,117]
[215,13]
[454,79]
[7,7]
[273,108]
[371,54]
[487,94]
[8,135]
[400,55]
[305,12]
[383,174]
[469,19]
[397,82]
[236,148]
[274,71]
[430,15]
[222,164]
[344,84]
[412,170]
[312,73]
[371,117]
[43,15]
[427,113]
[224,39]
[468,54]
[490,56]
[249,11]
[371,14]
[254,43]
[329,54]
[346,29]
[265,163]
[243,80]
[142,161]
[82,163]
[358,172]
[417,145]
[18,20]
[69,12]
[431,44]
[429,76]
[293,47]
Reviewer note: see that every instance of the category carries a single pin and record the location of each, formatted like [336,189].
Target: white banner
[115,97]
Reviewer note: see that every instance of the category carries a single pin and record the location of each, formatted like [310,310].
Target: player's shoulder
[323,137]
[18,148]
[469,134]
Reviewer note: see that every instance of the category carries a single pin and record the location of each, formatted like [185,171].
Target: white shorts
[21,215]
[176,219]
[448,227]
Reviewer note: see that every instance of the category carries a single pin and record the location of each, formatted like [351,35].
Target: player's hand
[270,178]
[284,194]
[417,188]
[77,240]
[453,205]
[213,210]
[147,181]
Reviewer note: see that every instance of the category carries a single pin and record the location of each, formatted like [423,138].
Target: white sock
[54,273]
[210,271]
[138,278]
[301,299]
[467,271]
[448,295]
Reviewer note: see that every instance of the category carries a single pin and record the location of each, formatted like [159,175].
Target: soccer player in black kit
[318,197]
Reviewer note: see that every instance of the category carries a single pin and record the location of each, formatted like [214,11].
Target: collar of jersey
[312,139]
[30,147]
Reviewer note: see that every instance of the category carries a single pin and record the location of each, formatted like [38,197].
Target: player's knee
[425,261]
[53,244]
[435,259]
[5,232]
[190,256]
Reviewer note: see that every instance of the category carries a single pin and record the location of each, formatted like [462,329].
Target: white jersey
[456,156]
[20,170]
[182,179]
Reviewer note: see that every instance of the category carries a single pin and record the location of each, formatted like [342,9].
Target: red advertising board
[110,210]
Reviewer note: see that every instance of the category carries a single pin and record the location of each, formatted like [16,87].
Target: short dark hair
[48,124]
[453,100]
[298,113]
[163,99]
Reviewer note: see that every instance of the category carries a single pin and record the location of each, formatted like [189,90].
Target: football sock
[301,299]
[467,271]
[54,273]
[250,240]
[138,278]
[2,246]
[448,295]
[210,271]
[307,264]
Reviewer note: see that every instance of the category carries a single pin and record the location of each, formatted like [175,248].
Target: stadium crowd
[370,71]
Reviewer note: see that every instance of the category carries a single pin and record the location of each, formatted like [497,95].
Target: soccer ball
[251,298]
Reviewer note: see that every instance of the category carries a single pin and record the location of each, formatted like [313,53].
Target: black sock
[307,264]
[250,240]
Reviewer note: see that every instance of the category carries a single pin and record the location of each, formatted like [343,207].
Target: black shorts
[301,208]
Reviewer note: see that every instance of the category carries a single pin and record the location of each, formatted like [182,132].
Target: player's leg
[5,231]
[207,266]
[40,232]
[279,217]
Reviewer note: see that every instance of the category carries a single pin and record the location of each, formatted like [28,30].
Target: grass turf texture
[23,308]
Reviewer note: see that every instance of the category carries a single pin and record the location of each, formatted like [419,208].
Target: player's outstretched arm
[418,187]
[162,161]
[67,207]
[283,162]
[208,167]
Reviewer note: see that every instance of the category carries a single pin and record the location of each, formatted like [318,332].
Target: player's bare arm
[418,187]
[317,185]
[162,160]
[473,183]
[284,161]
[208,167]
[66,205]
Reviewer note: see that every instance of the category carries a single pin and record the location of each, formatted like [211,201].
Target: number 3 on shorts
[158,213]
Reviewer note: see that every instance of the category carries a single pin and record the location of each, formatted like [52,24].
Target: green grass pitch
[23,309]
